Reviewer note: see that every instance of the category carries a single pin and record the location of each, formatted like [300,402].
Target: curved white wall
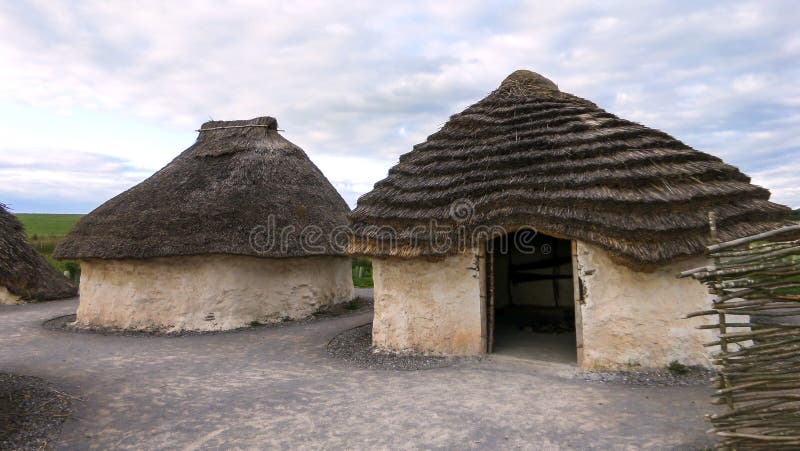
[630,319]
[8,298]
[429,306]
[209,292]
[637,319]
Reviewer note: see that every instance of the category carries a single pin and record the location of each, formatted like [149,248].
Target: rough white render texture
[209,292]
[428,306]
[636,319]
[8,298]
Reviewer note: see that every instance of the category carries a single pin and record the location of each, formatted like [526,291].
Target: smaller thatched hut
[215,240]
[24,274]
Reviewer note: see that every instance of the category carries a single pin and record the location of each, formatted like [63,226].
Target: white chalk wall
[630,319]
[8,298]
[209,292]
[635,319]
[429,306]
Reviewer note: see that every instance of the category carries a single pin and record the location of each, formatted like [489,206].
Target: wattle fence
[755,282]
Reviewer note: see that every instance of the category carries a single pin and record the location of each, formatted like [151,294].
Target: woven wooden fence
[755,282]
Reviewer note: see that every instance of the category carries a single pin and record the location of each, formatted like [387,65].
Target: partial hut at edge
[25,276]
[618,209]
[198,245]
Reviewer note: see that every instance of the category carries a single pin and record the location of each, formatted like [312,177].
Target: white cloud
[358,84]
[782,182]
[72,176]
[352,176]
[749,83]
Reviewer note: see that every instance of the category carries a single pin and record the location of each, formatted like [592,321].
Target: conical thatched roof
[23,271]
[237,176]
[530,155]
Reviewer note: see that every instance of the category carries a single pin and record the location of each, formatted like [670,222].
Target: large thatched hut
[24,274]
[234,230]
[599,215]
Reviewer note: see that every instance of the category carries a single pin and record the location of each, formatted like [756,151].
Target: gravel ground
[355,347]
[656,378]
[66,323]
[32,412]
[279,388]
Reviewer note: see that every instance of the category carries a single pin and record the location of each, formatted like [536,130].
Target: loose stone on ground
[355,346]
[32,412]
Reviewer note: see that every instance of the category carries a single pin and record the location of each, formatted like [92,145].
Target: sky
[96,96]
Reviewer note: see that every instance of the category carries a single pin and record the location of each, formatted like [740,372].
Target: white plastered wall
[629,319]
[636,319]
[429,306]
[8,298]
[209,292]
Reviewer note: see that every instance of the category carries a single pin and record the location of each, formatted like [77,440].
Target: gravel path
[664,377]
[32,412]
[355,346]
[66,323]
[280,388]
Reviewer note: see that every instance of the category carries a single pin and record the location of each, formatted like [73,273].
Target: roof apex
[523,82]
[268,122]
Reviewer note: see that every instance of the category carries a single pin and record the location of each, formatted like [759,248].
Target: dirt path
[278,388]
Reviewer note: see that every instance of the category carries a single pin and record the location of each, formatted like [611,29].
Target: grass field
[37,224]
[45,231]
[362,272]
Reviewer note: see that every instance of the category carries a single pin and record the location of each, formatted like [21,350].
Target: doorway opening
[530,297]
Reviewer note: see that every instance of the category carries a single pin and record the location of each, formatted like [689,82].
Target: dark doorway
[531,311]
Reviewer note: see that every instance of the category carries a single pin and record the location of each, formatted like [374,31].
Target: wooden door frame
[489,292]
[577,294]
[489,304]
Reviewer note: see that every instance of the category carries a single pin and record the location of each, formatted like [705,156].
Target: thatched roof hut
[24,274]
[617,207]
[529,154]
[208,217]
[236,176]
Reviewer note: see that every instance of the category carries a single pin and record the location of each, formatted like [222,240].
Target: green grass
[362,282]
[791,290]
[45,231]
[43,225]
[362,272]
[677,368]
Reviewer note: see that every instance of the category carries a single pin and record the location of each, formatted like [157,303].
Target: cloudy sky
[96,96]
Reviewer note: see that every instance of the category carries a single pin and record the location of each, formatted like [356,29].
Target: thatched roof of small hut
[530,155]
[237,176]
[23,271]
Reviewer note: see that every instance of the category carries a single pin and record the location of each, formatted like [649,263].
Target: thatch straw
[530,155]
[235,177]
[23,271]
